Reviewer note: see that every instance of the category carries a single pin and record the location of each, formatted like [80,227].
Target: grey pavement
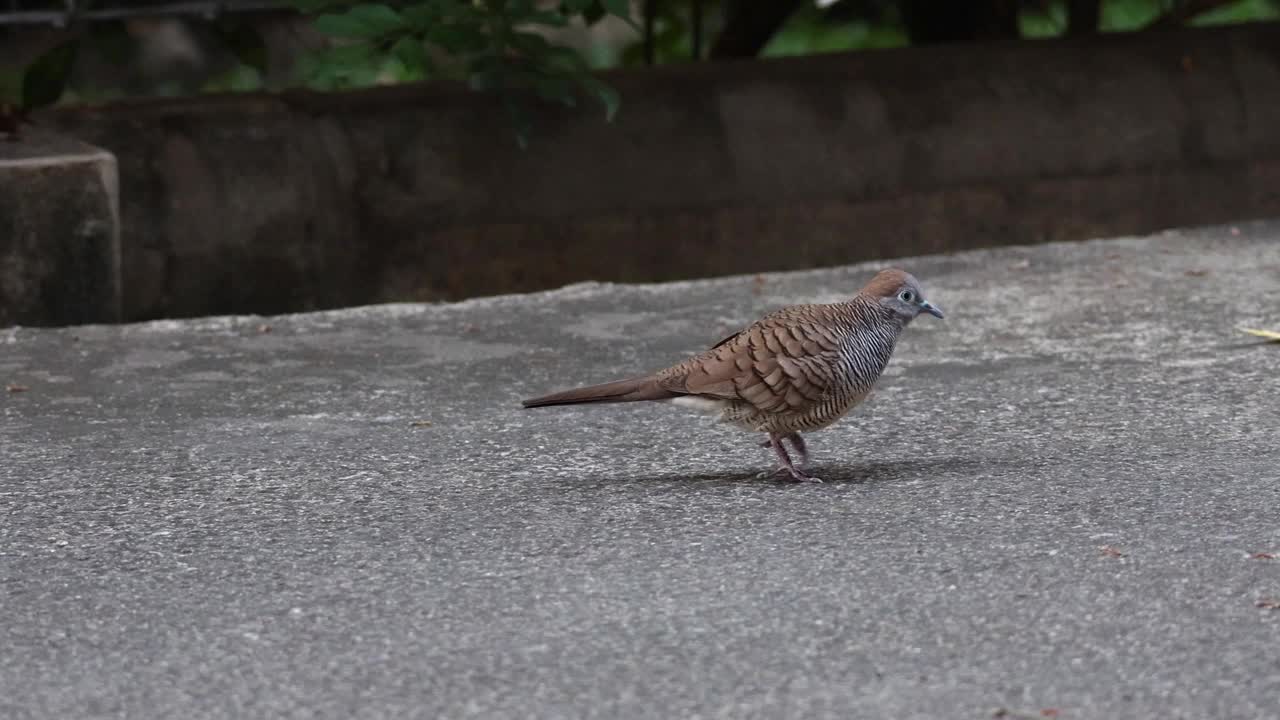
[1053,502]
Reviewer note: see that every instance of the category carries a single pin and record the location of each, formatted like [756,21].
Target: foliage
[1239,12]
[1049,19]
[492,45]
[506,46]
[812,31]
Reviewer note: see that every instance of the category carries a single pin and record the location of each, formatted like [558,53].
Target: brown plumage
[799,368]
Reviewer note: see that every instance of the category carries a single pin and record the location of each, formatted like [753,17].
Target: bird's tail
[633,390]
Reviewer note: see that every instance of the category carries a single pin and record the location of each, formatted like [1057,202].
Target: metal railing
[61,13]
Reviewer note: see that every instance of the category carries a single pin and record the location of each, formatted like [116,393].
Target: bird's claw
[790,470]
[789,475]
[801,477]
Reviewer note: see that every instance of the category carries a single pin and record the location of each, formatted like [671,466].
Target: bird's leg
[801,449]
[797,442]
[775,440]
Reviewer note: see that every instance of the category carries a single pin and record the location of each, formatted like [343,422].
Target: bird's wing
[784,362]
[730,337]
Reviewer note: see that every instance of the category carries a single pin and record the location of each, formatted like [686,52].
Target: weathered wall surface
[59,234]
[274,203]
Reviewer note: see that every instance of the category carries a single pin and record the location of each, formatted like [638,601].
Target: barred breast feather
[799,368]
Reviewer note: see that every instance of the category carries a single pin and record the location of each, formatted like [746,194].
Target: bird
[797,369]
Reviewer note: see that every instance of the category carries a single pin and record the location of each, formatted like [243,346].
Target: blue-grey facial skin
[908,302]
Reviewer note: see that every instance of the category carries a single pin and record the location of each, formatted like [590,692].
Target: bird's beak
[930,308]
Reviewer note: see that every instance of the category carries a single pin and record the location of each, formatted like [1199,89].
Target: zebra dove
[800,368]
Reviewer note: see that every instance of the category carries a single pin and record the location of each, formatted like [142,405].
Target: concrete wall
[275,203]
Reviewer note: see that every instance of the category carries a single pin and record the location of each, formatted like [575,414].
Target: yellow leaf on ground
[1268,334]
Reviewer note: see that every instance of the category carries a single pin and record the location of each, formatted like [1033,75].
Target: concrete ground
[1058,501]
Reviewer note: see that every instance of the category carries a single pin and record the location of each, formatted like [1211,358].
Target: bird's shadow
[860,473]
[1247,345]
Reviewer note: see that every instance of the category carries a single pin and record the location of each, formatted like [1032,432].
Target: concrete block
[59,232]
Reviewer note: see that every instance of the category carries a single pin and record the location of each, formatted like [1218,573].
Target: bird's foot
[788,474]
[788,471]
[798,476]
[801,450]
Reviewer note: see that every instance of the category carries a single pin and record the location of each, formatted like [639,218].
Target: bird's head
[899,292]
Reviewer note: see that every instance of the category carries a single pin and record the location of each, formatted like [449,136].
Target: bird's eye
[906,296]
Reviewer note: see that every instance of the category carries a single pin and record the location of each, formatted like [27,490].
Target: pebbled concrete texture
[346,514]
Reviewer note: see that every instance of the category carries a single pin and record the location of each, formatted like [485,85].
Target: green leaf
[331,68]
[551,87]
[620,9]
[351,55]
[412,55]
[46,79]
[340,26]
[574,7]
[381,18]
[361,21]
[458,38]
[563,58]
[240,78]
[315,70]
[605,94]
[463,11]
[422,16]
